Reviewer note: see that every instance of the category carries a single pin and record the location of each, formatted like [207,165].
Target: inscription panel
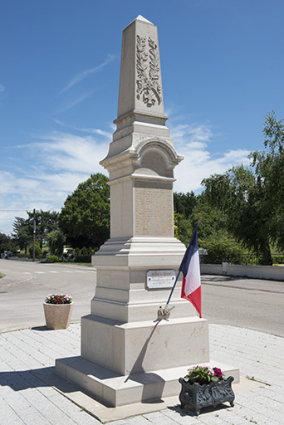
[153,209]
[160,278]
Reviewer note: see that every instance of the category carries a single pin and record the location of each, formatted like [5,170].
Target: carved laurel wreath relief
[147,66]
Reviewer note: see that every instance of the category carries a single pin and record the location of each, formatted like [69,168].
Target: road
[26,285]
[250,303]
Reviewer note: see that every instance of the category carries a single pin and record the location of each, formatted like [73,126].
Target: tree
[183,206]
[253,198]
[184,203]
[23,232]
[6,243]
[56,241]
[45,221]
[269,168]
[85,217]
[239,194]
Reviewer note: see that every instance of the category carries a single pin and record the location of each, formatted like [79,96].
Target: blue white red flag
[191,284]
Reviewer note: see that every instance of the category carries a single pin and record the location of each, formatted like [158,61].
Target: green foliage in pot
[204,375]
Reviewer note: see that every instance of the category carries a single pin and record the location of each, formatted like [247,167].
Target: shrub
[37,251]
[52,259]
[278,259]
[83,259]
[84,251]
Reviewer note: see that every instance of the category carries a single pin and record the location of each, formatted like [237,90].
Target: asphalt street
[248,303]
[251,303]
[26,285]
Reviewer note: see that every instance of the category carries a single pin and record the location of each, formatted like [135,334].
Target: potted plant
[58,310]
[203,387]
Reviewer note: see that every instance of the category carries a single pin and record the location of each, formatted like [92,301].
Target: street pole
[34,233]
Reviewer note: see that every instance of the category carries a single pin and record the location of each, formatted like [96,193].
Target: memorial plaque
[160,278]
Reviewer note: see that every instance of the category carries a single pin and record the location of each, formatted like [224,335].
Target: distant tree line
[243,209]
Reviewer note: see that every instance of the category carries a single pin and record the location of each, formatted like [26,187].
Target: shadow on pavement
[36,378]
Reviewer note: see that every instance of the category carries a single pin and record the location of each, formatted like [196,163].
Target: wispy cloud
[88,130]
[75,102]
[2,88]
[87,73]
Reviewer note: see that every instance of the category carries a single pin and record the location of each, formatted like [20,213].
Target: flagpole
[172,289]
[164,313]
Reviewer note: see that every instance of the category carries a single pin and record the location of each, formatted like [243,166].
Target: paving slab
[32,393]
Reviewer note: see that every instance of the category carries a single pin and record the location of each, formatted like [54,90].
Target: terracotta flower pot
[57,316]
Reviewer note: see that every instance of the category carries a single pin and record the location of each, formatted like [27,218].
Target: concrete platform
[32,393]
[116,390]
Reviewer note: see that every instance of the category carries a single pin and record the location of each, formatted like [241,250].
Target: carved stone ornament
[196,396]
[147,66]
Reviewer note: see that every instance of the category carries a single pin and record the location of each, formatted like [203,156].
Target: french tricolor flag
[191,284]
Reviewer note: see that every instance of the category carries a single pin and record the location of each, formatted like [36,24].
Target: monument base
[141,362]
[117,390]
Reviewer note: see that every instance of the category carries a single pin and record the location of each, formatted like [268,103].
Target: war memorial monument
[127,355]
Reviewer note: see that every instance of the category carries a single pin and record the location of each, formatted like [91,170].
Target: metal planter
[196,396]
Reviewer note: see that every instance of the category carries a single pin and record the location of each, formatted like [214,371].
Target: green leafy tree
[269,169]
[23,232]
[212,233]
[239,194]
[6,243]
[183,206]
[37,250]
[45,221]
[253,198]
[184,203]
[56,241]
[85,217]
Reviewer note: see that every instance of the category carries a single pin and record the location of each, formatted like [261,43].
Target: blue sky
[222,71]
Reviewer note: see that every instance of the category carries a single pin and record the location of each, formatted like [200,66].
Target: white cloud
[58,161]
[86,73]
[2,88]
[192,142]
[65,151]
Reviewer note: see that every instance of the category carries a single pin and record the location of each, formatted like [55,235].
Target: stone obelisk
[128,356]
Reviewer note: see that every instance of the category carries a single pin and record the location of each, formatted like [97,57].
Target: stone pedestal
[127,355]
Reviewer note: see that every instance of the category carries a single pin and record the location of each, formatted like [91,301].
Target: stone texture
[126,355]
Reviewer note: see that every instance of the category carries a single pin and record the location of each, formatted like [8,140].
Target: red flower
[217,371]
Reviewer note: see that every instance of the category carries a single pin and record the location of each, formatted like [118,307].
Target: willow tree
[253,197]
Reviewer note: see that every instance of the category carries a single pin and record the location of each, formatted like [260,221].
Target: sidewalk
[32,394]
